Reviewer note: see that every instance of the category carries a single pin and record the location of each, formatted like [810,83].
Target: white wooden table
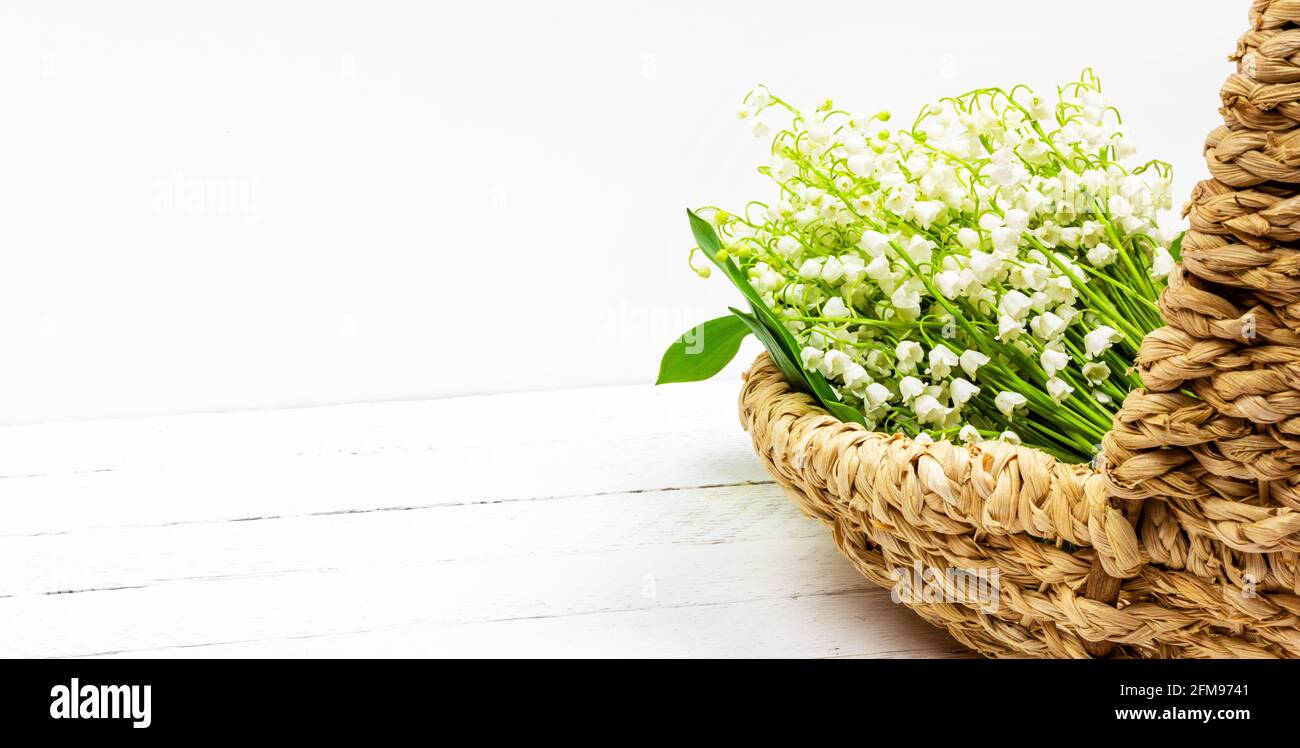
[627,521]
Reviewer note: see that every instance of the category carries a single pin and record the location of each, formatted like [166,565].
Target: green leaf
[774,336]
[703,351]
[712,247]
[813,381]
[799,379]
[1176,249]
[845,413]
[791,370]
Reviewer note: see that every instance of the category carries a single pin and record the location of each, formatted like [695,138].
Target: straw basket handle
[1205,463]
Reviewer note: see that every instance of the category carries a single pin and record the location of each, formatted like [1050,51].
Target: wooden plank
[276,463]
[289,604]
[401,540]
[426,582]
[518,419]
[853,625]
[612,522]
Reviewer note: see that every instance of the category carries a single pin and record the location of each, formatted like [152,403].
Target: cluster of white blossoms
[987,272]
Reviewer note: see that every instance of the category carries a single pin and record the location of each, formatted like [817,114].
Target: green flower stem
[827,201]
[1048,408]
[1114,317]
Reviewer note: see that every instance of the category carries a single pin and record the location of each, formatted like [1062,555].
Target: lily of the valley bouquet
[984,272]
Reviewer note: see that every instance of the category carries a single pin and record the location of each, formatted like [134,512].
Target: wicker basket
[1186,541]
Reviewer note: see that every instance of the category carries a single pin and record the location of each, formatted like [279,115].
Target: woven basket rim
[814,407]
[796,421]
[1046,525]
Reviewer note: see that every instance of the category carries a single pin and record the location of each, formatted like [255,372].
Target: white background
[222,206]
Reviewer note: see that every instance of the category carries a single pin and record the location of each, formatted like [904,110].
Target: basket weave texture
[1186,541]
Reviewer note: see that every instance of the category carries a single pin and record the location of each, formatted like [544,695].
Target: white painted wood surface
[626,521]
